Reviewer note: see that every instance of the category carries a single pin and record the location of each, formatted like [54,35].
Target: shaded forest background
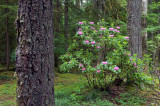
[67,13]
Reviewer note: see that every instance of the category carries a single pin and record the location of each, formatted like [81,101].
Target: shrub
[101,54]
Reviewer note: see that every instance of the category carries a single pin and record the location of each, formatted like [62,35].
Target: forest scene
[79,53]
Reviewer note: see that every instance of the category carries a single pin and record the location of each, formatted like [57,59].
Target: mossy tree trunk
[35,53]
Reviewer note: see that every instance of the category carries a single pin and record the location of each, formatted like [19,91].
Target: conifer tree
[34,54]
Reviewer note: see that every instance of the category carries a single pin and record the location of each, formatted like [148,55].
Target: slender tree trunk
[58,16]
[134,26]
[35,53]
[87,1]
[104,8]
[66,24]
[144,25]
[150,34]
[81,2]
[7,39]
[78,3]
[98,5]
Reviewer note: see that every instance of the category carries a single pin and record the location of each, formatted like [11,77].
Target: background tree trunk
[58,16]
[78,3]
[144,25]
[66,23]
[7,39]
[134,26]
[35,53]
[81,2]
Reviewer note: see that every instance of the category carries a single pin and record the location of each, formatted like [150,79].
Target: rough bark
[144,25]
[66,23]
[35,54]
[134,26]
[7,39]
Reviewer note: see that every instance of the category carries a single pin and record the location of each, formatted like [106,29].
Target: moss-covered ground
[72,90]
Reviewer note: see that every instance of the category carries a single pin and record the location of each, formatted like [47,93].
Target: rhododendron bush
[100,53]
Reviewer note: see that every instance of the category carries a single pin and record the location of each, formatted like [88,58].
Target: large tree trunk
[7,40]
[134,26]
[35,54]
[66,23]
[144,25]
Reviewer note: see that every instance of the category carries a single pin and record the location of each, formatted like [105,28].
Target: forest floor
[72,90]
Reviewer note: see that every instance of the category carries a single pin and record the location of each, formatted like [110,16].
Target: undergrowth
[72,90]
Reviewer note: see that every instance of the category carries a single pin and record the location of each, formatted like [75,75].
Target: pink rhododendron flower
[134,64]
[111,29]
[95,66]
[116,68]
[93,42]
[111,35]
[100,36]
[80,29]
[83,69]
[98,47]
[117,31]
[126,37]
[86,41]
[68,54]
[105,62]
[91,22]
[131,59]
[98,71]
[114,49]
[93,28]
[103,28]
[80,64]
[80,22]
[129,54]
[117,27]
[80,33]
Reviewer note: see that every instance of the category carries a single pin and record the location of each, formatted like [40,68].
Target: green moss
[71,90]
